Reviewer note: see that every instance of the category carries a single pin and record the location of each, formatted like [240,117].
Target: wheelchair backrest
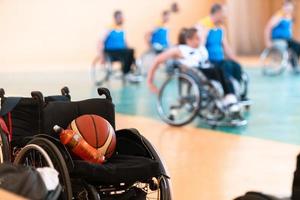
[31,116]
[62,113]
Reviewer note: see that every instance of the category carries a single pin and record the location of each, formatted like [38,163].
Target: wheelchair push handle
[105,92]
[75,142]
[66,92]
[38,96]
[2,92]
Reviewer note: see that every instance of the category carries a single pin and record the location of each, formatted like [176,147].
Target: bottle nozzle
[57,129]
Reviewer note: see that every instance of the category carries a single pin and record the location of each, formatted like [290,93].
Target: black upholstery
[56,98]
[25,118]
[119,169]
[62,112]
[29,118]
[132,160]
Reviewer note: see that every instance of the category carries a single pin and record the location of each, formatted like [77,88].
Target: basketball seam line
[96,132]
[111,151]
[79,130]
[106,136]
[105,146]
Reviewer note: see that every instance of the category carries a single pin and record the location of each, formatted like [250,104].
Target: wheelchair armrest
[129,142]
[133,137]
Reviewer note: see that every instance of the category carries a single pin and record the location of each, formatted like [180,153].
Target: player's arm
[268,30]
[171,53]
[230,54]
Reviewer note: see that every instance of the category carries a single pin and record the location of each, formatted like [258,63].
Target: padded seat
[119,169]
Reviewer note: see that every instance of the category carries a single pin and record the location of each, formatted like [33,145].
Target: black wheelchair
[187,93]
[276,59]
[104,72]
[135,171]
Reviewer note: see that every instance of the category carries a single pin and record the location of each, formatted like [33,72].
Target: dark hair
[174,7]
[215,8]
[117,13]
[186,33]
[165,12]
[287,2]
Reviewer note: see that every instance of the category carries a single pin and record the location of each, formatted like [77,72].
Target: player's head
[288,6]
[217,11]
[190,37]
[165,16]
[118,17]
[174,7]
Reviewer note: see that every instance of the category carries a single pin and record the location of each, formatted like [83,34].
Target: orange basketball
[97,131]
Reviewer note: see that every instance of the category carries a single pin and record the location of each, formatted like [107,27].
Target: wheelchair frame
[205,102]
[287,56]
[102,73]
[55,154]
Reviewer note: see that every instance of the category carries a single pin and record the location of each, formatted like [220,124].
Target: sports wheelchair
[135,171]
[104,72]
[187,93]
[145,61]
[276,59]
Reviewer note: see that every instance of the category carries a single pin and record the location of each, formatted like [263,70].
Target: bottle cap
[57,129]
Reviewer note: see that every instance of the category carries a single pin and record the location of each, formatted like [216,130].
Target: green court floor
[275,114]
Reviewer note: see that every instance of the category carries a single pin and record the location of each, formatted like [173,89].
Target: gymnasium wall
[42,34]
[45,33]
[247,20]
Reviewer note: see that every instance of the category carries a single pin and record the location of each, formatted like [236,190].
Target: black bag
[23,181]
[296,181]
[257,196]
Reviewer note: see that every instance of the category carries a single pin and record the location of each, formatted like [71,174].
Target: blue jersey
[115,40]
[214,40]
[283,30]
[160,36]
[214,45]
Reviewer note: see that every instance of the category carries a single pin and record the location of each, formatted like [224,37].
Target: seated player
[215,40]
[280,27]
[188,54]
[158,37]
[113,44]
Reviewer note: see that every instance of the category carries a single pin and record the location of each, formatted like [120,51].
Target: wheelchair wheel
[210,111]
[179,100]
[164,181]
[4,148]
[84,191]
[41,152]
[244,85]
[100,72]
[274,61]
[145,61]
[294,62]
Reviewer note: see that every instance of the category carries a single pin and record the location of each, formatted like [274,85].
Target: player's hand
[152,86]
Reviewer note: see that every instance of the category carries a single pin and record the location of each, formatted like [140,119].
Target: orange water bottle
[79,146]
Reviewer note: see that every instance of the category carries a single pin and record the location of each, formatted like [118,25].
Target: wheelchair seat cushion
[118,169]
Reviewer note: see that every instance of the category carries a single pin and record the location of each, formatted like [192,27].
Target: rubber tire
[196,110]
[265,70]
[165,185]
[59,164]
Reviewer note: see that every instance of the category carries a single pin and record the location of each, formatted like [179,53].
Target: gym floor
[203,163]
